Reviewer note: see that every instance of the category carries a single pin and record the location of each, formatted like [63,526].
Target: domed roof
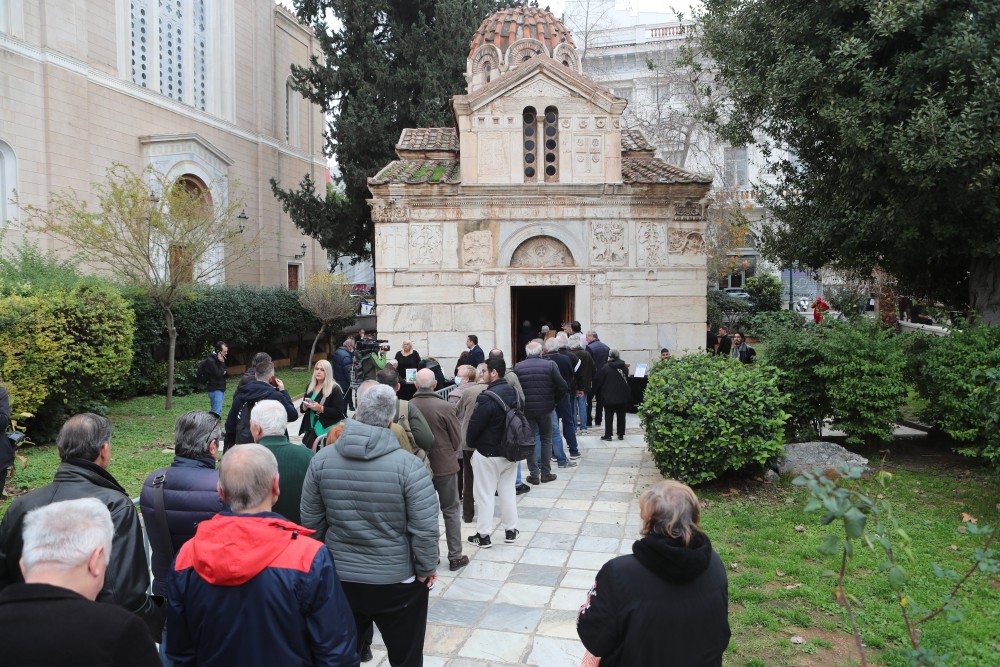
[504,27]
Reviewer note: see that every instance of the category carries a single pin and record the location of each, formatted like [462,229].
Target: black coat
[238,425]
[334,411]
[215,372]
[127,576]
[599,351]
[664,605]
[542,384]
[585,373]
[50,625]
[488,421]
[190,496]
[565,363]
[611,383]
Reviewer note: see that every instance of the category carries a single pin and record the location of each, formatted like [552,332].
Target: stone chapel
[539,204]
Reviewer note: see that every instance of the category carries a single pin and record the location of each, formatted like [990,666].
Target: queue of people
[340,534]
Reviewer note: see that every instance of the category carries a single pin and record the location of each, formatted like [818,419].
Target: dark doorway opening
[538,305]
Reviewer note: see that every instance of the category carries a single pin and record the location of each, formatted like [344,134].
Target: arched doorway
[191,198]
[533,306]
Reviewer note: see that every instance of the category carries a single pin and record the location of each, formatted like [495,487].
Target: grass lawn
[143,436]
[780,586]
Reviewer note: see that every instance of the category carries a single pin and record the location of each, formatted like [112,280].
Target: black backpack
[518,440]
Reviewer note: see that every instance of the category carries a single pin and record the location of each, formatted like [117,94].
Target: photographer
[374,357]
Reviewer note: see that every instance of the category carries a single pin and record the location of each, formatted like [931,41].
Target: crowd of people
[725,346]
[287,553]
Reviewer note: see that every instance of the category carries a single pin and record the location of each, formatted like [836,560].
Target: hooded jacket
[374,506]
[238,425]
[127,577]
[253,589]
[665,605]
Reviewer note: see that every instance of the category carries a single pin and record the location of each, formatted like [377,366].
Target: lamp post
[242,217]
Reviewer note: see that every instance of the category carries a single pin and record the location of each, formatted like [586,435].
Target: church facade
[198,89]
[538,206]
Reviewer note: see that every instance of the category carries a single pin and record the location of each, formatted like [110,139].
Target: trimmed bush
[64,349]
[950,372]
[705,415]
[863,372]
[796,351]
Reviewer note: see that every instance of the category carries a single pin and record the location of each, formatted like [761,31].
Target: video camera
[370,346]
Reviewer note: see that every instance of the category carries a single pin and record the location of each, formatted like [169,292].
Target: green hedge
[704,415]
[950,372]
[852,372]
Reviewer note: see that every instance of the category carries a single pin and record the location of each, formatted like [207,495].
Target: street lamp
[242,217]
[303,253]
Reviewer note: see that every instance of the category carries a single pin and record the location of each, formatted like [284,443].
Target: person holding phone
[323,405]
[212,371]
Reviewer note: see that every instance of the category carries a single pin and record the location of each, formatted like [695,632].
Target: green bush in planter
[704,415]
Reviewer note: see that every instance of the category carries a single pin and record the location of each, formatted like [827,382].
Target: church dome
[504,27]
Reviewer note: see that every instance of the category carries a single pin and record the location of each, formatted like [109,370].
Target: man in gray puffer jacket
[375,507]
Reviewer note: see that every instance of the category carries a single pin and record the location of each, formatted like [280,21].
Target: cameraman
[375,360]
[343,367]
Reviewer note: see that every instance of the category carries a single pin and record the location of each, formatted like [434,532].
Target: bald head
[425,379]
[248,479]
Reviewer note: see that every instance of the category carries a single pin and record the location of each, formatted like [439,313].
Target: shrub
[734,311]
[863,371]
[950,373]
[64,349]
[765,293]
[795,350]
[705,415]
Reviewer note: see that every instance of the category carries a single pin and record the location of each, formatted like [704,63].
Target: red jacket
[254,589]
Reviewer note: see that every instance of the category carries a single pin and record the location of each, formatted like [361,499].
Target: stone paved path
[516,604]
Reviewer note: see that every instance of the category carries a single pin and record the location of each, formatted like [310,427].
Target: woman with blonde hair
[667,603]
[323,405]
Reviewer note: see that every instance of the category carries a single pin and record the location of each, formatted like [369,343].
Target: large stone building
[198,88]
[538,205]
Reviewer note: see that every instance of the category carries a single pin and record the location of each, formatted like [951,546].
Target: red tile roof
[634,140]
[504,27]
[419,171]
[428,139]
[654,170]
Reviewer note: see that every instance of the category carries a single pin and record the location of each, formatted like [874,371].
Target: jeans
[564,410]
[518,481]
[580,412]
[163,649]
[215,399]
[542,461]
[557,446]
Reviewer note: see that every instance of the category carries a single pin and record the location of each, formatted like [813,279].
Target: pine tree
[392,64]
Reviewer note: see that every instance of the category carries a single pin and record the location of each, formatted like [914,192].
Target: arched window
[8,181]
[529,135]
[551,139]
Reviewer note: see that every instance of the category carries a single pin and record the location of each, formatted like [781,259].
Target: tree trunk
[168,317]
[315,340]
[984,288]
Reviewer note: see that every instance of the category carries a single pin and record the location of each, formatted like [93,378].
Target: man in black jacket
[52,618]
[265,387]
[543,387]
[85,450]
[494,474]
[213,372]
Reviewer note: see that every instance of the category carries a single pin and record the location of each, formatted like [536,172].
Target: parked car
[737,293]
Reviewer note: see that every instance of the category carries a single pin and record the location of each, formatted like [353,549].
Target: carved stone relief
[389,212]
[689,211]
[494,158]
[588,151]
[609,244]
[684,242]
[477,248]
[543,278]
[652,244]
[425,244]
[541,251]
[390,246]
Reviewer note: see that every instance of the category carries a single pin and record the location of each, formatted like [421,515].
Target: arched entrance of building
[531,307]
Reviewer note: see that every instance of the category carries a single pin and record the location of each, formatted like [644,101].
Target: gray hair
[425,379]
[563,338]
[366,385]
[552,345]
[670,508]
[82,436]
[614,354]
[194,431]
[592,333]
[270,416]
[64,534]
[246,475]
[377,406]
[545,328]
[482,370]
[533,349]
[264,371]
[575,343]
[348,342]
